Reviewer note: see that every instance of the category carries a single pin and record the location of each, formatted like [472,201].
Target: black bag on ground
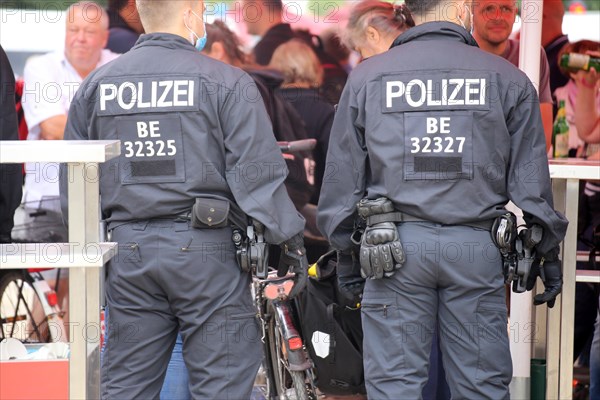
[332,333]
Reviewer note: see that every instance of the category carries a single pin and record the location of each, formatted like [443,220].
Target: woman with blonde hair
[298,63]
[302,77]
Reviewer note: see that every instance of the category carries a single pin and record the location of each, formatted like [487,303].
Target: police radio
[252,252]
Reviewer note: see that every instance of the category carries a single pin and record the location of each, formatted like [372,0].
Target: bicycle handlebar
[297,145]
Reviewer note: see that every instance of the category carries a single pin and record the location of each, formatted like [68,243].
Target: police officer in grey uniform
[193,132]
[437,136]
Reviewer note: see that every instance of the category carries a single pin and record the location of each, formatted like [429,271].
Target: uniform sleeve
[529,185]
[344,182]
[320,152]
[11,178]
[76,129]
[41,93]
[325,129]
[256,170]
[77,121]
[545,92]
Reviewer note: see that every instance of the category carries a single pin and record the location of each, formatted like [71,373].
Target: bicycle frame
[52,311]
[280,336]
[297,357]
[27,294]
[45,298]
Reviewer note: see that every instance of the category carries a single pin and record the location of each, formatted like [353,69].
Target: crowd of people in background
[301,77]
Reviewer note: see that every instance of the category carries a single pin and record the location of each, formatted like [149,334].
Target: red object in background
[34,380]
[577,7]
[295,343]
[23,130]
[33,270]
[51,297]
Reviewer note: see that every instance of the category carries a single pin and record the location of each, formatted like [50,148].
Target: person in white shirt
[51,81]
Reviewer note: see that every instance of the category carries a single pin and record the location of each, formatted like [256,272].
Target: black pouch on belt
[210,211]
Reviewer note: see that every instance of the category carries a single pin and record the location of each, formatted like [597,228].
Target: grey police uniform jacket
[189,126]
[446,131]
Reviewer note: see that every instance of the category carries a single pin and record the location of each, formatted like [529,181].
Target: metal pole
[522,328]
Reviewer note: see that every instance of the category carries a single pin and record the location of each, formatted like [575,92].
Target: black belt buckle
[183,217]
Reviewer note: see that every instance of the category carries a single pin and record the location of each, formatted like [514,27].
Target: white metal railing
[566,175]
[84,254]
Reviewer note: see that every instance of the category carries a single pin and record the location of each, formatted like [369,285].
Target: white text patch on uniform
[152,149]
[438,90]
[438,147]
[134,95]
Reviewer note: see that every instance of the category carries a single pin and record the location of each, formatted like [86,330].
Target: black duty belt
[183,217]
[398,216]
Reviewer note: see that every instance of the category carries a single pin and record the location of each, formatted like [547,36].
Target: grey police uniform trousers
[169,277]
[452,277]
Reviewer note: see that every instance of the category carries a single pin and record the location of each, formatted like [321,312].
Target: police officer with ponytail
[430,141]
[197,150]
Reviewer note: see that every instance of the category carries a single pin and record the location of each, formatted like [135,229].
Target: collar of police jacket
[435,30]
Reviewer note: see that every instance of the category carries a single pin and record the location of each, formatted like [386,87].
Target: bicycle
[286,364]
[288,368]
[29,307]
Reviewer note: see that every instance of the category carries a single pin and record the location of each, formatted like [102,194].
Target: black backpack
[332,332]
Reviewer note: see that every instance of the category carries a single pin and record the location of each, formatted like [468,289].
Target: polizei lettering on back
[438,91]
[162,94]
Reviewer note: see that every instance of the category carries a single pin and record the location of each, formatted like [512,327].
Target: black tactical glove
[350,281]
[381,252]
[551,274]
[293,254]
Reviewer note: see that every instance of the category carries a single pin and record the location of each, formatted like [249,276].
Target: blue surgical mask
[200,41]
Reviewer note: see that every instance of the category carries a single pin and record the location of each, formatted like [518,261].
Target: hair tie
[399,12]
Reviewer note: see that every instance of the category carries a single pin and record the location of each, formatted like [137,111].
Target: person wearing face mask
[194,150]
[417,127]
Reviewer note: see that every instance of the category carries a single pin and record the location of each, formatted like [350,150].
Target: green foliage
[42,4]
[325,8]
[591,5]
